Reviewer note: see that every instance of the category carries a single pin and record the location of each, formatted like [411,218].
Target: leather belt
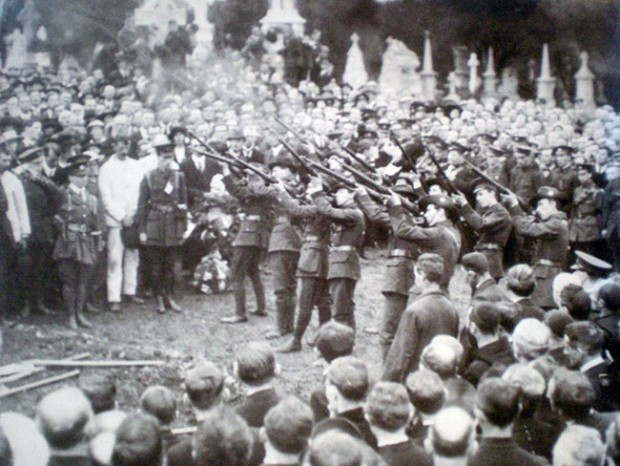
[312,238]
[493,246]
[343,248]
[162,208]
[252,217]
[77,228]
[401,253]
[548,263]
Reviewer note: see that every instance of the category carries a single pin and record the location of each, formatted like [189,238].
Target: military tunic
[344,267]
[550,253]
[584,224]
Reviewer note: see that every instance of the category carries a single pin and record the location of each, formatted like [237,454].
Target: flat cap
[486,316]
[476,261]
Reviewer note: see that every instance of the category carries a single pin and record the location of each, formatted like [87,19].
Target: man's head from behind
[62,417]
[426,391]
[497,403]
[346,382]
[288,426]
[579,445]
[388,407]
[571,394]
[204,384]
[335,340]
[138,441]
[255,364]
[582,341]
[440,358]
[223,439]
[452,434]
[530,340]
[100,389]
[429,268]
[159,401]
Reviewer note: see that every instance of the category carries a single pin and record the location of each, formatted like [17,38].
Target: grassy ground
[140,333]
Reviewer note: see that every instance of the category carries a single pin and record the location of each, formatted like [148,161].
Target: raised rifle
[299,136]
[297,157]
[500,187]
[442,174]
[343,179]
[357,158]
[238,163]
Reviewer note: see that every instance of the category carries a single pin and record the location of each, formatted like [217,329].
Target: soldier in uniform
[256,200]
[491,221]
[402,253]
[311,268]
[587,204]
[44,199]
[440,236]
[549,230]
[347,236]
[79,241]
[611,220]
[162,218]
[563,177]
[283,250]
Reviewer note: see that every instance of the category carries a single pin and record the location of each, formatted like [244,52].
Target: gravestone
[461,71]
[399,71]
[474,81]
[429,76]
[283,13]
[355,71]
[585,84]
[509,84]
[546,82]
[489,78]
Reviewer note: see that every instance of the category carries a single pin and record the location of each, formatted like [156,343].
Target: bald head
[530,340]
[62,416]
[441,359]
[452,433]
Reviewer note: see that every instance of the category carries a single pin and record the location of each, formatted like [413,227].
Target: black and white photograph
[309,232]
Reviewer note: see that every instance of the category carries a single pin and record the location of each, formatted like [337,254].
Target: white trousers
[122,267]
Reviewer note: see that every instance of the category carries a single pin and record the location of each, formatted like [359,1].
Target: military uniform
[584,225]
[344,267]
[77,247]
[611,220]
[442,238]
[565,180]
[312,265]
[284,245]
[551,249]
[251,241]
[44,200]
[160,218]
[398,278]
[493,225]
[524,181]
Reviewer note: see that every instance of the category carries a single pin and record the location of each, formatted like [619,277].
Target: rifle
[343,179]
[449,185]
[405,154]
[500,187]
[380,188]
[238,163]
[357,158]
[297,157]
[298,136]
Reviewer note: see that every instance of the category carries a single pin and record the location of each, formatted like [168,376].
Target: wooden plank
[29,369]
[40,383]
[120,363]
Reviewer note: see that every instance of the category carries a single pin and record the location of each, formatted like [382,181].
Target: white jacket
[17,212]
[119,186]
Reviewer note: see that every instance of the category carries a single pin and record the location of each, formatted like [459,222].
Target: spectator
[159,402]
[100,389]
[138,442]
[428,395]
[223,439]
[288,426]
[255,366]
[520,284]
[389,412]
[577,302]
[497,406]
[530,340]
[609,317]
[579,446]
[21,443]
[451,439]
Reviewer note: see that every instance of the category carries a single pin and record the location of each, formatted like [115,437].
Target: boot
[171,304]
[83,321]
[73,325]
[292,346]
[161,307]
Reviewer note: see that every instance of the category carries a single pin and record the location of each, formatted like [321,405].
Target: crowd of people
[115,184]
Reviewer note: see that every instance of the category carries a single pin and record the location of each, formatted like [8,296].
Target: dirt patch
[140,333]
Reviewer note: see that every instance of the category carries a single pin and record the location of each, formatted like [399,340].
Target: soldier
[525,177]
[284,245]
[79,241]
[549,230]
[491,221]
[249,246]
[611,220]
[162,218]
[311,268]
[347,236]
[440,236]
[44,199]
[402,254]
[587,204]
[562,176]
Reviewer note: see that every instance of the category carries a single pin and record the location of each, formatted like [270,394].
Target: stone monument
[474,81]
[585,84]
[461,72]
[452,84]
[355,70]
[546,82]
[399,70]
[509,84]
[489,78]
[429,76]
[156,13]
[283,13]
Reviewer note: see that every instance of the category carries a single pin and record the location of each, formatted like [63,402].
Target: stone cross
[474,81]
